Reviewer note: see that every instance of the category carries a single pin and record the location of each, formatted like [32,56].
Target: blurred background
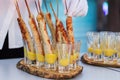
[81,25]
[103,15]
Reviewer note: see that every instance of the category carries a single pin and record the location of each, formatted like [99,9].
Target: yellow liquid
[40,57]
[118,54]
[50,58]
[101,46]
[74,57]
[90,50]
[109,52]
[98,51]
[64,62]
[31,56]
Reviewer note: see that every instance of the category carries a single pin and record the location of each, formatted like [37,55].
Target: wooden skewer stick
[29,12]
[53,12]
[39,6]
[36,6]
[57,8]
[45,5]
[24,30]
[66,7]
[69,5]
[17,8]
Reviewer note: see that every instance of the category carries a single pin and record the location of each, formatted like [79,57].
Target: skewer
[17,8]
[53,12]
[24,30]
[45,5]
[43,31]
[58,35]
[60,26]
[50,24]
[69,28]
[57,8]
[35,33]
[69,5]
[29,12]
[36,6]
[39,6]
[66,7]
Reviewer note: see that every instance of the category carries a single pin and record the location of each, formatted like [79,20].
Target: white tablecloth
[8,71]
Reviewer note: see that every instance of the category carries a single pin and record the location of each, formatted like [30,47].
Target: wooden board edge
[85,60]
[36,72]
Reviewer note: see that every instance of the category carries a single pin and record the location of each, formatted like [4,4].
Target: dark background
[7,53]
[111,22]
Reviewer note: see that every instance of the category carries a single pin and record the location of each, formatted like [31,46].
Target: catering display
[103,49]
[55,58]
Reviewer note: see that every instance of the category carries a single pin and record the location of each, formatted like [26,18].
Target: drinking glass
[25,52]
[40,58]
[117,47]
[29,56]
[50,58]
[98,56]
[90,44]
[64,53]
[110,47]
[75,55]
[103,35]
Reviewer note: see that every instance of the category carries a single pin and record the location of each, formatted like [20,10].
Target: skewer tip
[29,12]
[36,6]
[53,11]
[45,5]
[39,6]
[17,8]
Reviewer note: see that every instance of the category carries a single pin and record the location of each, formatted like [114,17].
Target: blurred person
[10,36]
[75,8]
[11,44]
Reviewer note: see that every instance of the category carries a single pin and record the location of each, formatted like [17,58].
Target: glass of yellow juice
[90,45]
[40,60]
[117,47]
[50,57]
[103,35]
[110,47]
[75,55]
[29,54]
[64,55]
[98,56]
[118,60]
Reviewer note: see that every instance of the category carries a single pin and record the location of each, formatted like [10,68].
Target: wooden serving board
[86,60]
[46,73]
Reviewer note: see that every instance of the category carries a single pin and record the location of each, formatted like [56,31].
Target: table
[8,71]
